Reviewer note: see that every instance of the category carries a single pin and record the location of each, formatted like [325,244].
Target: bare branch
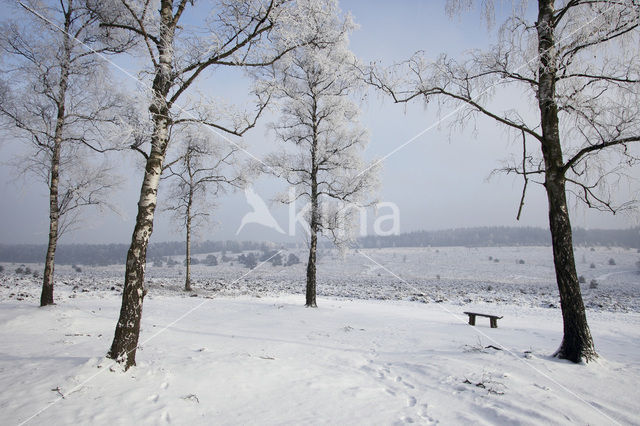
[589,149]
[524,174]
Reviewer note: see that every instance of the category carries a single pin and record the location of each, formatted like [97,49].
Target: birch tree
[203,170]
[57,101]
[225,34]
[578,63]
[319,124]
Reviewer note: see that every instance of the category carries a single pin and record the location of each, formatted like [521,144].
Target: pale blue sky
[438,181]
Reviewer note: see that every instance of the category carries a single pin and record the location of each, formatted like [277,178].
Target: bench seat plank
[493,319]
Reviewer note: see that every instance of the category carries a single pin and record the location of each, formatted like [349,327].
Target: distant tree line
[502,236]
[110,254]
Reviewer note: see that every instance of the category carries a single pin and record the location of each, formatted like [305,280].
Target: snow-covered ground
[229,357]
[457,275]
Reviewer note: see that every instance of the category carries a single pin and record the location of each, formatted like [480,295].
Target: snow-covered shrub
[23,270]
[194,261]
[292,260]
[249,260]
[276,260]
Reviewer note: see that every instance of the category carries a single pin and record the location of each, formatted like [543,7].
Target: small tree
[320,123]
[58,100]
[203,170]
[211,260]
[249,260]
[276,260]
[292,260]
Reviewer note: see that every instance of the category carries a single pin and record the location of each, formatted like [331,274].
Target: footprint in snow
[407,384]
[423,413]
[366,368]
[164,385]
[412,401]
[154,398]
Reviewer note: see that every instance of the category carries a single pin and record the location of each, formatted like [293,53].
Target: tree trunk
[577,343]
[311,264]
[187,281]
[46,298]
[125,340]
[311,272]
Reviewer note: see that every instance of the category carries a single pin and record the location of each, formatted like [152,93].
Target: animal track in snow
[423,413]
[407,384]
[391,383]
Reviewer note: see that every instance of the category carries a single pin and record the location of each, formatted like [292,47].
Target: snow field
[269,360]
[457,275]
[248,352]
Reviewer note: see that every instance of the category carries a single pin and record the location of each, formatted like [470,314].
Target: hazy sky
[438,181]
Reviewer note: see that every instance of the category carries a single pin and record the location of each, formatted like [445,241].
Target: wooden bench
[493,319]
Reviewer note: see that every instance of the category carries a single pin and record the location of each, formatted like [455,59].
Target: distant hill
[109,254]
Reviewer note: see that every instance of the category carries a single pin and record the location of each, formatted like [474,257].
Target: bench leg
[494,322]
[472,320]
